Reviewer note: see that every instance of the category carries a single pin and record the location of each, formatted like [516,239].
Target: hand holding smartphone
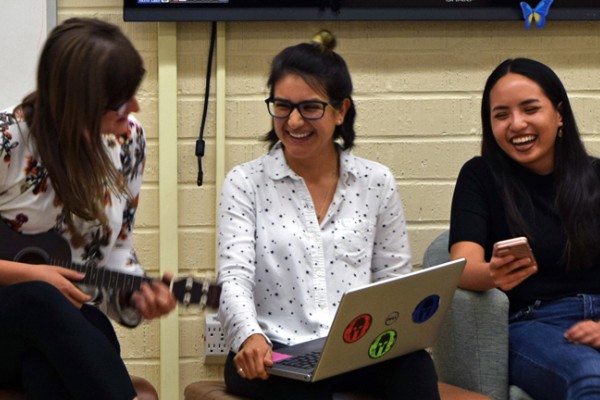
[518,247]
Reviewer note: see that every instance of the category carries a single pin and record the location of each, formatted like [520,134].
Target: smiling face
[524,122]
[303,139]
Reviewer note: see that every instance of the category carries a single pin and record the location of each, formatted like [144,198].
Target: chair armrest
[472,349]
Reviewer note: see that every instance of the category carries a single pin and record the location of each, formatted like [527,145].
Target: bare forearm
[476,276]
[13,272]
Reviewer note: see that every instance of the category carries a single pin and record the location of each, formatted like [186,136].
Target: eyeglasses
[309,109]
[121,109]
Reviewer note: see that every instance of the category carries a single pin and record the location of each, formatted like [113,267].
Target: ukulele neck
[109,279]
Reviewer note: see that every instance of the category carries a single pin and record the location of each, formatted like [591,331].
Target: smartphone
[518,247]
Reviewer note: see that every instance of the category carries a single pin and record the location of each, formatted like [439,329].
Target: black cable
[200,144]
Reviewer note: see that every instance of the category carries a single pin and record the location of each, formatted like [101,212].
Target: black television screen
[277,10]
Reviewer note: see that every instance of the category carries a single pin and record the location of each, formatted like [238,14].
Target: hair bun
[325,39]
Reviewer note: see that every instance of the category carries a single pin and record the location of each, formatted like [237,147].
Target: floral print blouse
[29,205]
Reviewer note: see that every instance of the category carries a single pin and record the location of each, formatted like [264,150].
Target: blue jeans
[542,362]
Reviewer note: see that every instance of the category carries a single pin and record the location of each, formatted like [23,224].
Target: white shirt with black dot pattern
[282,273]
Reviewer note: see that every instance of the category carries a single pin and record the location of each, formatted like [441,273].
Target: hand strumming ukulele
[52,249]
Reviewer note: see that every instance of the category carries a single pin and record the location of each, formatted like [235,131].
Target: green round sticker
[382,344]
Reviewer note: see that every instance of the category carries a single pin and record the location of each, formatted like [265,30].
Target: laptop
[375,323]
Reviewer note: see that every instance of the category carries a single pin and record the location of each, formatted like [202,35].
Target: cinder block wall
[417,91]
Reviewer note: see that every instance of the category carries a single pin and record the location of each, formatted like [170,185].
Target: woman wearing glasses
[301,225]
[71,172]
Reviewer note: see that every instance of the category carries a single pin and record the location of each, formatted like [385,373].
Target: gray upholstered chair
[472,350]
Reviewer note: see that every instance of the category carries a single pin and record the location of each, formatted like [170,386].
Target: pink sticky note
[279,356]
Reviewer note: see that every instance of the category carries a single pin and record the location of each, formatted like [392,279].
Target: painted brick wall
[417,91]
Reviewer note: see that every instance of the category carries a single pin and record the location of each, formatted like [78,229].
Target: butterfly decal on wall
[537,14]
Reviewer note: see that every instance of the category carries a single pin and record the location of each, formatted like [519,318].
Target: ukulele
[52,249]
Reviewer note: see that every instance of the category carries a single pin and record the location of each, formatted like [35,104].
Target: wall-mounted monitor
[349,10]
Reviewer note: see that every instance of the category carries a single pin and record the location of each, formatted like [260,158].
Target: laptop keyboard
[304,361]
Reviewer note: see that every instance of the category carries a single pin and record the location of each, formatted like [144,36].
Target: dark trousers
[56,351]
[410,377]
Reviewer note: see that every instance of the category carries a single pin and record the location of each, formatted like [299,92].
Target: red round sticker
[357,328]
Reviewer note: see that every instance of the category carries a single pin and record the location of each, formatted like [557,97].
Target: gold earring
[560,131]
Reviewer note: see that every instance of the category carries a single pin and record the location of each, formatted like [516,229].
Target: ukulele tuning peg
[187,297]
[203,292]
[204,298]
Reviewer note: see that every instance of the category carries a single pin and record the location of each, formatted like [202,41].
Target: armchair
[472,349]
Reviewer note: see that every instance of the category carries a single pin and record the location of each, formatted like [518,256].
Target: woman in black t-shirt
[535,179]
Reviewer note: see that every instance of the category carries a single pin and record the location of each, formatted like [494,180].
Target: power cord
[200,144]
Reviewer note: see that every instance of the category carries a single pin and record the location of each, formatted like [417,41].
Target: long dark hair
[87,67]
[323,70]
[577,184]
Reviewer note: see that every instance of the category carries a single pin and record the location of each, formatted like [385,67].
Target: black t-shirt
[478,215]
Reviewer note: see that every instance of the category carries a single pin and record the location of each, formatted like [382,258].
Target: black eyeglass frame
[293,106]
[120,109]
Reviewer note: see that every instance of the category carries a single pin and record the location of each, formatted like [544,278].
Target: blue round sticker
[426,308]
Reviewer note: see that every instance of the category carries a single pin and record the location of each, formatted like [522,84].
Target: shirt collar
[278,168]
